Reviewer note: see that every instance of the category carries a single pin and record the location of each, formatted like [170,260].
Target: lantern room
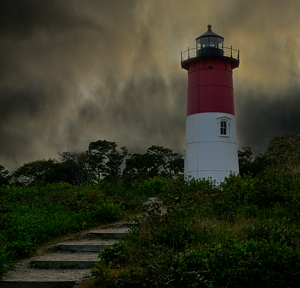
[209,44]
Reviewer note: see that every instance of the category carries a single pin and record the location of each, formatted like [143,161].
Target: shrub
[32,216]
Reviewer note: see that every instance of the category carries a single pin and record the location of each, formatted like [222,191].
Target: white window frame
[227,120]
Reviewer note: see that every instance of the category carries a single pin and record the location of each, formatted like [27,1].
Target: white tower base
[211,146]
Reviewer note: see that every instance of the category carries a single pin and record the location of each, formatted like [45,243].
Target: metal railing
[202,52]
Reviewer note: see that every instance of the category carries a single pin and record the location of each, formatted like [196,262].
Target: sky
[74,71]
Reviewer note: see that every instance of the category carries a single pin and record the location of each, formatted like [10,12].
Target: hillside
[243,233]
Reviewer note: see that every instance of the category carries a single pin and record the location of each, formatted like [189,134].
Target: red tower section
[210,85]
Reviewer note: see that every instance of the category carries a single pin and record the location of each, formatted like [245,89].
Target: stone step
[37,284]
[85,245]
[81,248]
[111,233]
[64,260]
[22,276]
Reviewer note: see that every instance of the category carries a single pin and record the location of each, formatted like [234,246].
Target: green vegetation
[102,160]
[45,199]
[242,233]
[31,216]
[4,179]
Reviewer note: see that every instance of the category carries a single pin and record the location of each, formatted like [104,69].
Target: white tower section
[211,146]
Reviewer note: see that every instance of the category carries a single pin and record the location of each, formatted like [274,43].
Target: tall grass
[30,217]
[244,233]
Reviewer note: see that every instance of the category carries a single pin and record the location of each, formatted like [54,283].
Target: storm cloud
[73,71]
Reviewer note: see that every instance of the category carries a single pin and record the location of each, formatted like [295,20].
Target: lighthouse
[211,144]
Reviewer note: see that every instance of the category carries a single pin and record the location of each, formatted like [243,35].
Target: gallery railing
[210,52]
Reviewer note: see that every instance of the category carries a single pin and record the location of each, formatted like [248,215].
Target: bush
[205,240]
[32,216]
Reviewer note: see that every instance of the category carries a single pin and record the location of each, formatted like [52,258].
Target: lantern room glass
[209,42]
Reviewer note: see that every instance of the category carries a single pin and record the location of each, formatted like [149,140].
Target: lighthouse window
[224,125]
[223,128]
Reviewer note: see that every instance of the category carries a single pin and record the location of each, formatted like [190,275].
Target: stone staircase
[65,264]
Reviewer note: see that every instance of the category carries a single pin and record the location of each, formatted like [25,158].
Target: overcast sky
[76,71]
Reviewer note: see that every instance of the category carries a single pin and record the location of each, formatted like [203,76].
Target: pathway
[65,264]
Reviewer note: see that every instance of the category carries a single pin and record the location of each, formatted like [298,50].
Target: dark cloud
[262,116]
[21,19]
[72,72]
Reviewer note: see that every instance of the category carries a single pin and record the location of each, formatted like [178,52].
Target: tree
[259,165]
[245,156]
[255,167]
[31,173]
[141,166]
[156,161]
[59,173]
[169,164]
[105,159]
[4,178]
[285,150]
[283,156]
[78,167]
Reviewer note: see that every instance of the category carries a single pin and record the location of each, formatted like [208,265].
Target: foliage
[151,186]
[244,233]
[244,157]
[4,178]
[101,160]
[30,216]
[31,173]
[247,166]
[78,167]
[228,264]
[106,159]
[157,161]
[59,172]
[282,155]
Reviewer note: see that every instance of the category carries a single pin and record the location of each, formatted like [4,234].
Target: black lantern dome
[209,44]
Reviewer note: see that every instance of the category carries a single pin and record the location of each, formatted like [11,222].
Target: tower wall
[210,90]
[210,100]
[207,153]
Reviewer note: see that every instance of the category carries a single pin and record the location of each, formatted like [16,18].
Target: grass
[33,217]
[244,233]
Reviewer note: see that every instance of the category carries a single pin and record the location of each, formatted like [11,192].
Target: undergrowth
[30,217]
[243,233]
